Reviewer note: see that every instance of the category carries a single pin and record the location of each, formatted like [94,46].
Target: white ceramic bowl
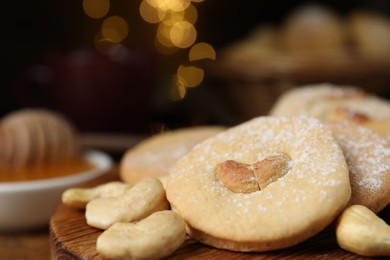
[29,204]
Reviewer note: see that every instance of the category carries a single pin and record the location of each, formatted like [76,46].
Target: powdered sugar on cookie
[316,183]
[154,156]
[327,101]
[368,159]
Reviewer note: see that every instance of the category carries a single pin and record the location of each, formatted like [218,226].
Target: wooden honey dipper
[35,137]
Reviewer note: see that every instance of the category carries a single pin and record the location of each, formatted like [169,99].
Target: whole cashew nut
[79,197]
[144,198]
[153,237]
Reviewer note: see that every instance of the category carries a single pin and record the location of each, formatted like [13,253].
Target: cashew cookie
[155,156]
[329,102]
[368,158]
[332,103]
[297,177]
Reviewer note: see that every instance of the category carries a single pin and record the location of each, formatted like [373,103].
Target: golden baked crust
[368,159]
[154,156]
[287,211]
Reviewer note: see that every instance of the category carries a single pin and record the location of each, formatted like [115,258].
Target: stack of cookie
[331,161]
[276,180]
[329,167]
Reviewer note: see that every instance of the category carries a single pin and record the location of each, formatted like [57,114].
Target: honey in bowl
[32,173]
[39,144]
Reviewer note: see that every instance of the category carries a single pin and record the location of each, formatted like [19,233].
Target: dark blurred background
[50,59]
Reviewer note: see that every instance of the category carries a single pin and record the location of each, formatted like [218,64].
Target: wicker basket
[254,85]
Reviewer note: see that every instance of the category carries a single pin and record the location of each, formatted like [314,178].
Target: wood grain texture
[72,238]
[32,245]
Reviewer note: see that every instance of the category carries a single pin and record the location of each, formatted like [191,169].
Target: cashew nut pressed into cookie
[153,237]
[141,200]
[247,178]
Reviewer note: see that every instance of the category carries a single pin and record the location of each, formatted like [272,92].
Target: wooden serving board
[72,238]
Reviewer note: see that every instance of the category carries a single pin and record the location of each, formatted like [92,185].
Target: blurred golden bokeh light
[149,13]
[174,5]
[201,51]
[176,30]
[96,8]
[179,5]
[163,35]
[177,89]
[190,76]
[173,17]
[115,29]
[191,14]
[183,34]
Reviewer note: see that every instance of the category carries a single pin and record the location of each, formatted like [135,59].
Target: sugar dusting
[321,99]
[367,155]
[159,159]
[161,151]
[315,163]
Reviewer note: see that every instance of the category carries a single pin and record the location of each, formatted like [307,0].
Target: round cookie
[308,184]
[336,103]
[155,156]
[330,102]
[368,158]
